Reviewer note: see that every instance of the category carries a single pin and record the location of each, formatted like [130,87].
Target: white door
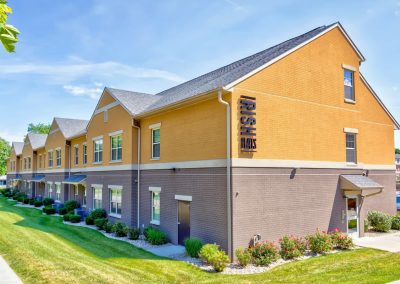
[352,217]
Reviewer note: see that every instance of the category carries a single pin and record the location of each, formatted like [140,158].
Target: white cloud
[234,4]
[81,91]
[11,136]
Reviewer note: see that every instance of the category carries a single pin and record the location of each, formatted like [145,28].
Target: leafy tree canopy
[8,33]
[397,150]
[5,150]
[40,128]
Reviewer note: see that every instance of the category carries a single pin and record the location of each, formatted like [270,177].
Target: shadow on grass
[87,239]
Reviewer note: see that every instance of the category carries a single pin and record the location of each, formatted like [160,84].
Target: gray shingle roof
[71,127]
[138,103]
[18,146]
[361,182]
[37,140]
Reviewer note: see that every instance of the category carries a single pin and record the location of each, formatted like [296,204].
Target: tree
[397,151]
[5,150]
[8,33]
[39,128]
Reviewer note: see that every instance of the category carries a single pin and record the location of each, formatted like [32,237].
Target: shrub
[264,253]
[146,231]
[292,247]
[380,222]
[38,204]
[108,227]
[243,256]
[74,218]
[156,237]
[63,211]
[89,220]
[340,240]
[70,205]
[32,201]
[217,258]
[320,242]
[101,223]
[26,200]
[48,201]
[134,234]
[98,213]
[366,225]
[193,247]
[396,223]
[49,210]
[120,229]
[66,217]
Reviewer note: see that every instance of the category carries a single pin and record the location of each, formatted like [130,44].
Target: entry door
[183,221]
[352,217]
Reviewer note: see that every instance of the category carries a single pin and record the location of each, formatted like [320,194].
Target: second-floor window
[351,151]
[29,162]
[40,161]
[84,154]
[116,148]
[349,85]
[155,141]
[24,163]
[50,159]
[98,150]
[58,157]
[76,154]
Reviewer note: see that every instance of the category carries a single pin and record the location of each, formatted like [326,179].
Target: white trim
[155,125]
[186,164]
[49,182]
[76,145]
[57,182]
[115,133]
[115,187]
[183,197]
[107,107]
[58,148]
[155,222]
[350,130]
[96,185]
[54,131]
[97,138]
[115,161]
[84,143]
[349,67]
[337,25]
[349,101]
[115,215]
[97,163]
[154,189]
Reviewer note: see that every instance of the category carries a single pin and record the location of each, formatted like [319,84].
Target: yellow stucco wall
[301,111]
[56,140]
[26,153]
[41,153]
[79,142]
[106,99]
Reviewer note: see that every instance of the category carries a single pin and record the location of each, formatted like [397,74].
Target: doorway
[183,221]
[352,216]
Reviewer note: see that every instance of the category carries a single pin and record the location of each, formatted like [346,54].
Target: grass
[41,249]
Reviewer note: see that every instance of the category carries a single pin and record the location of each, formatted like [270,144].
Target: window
[98,150]
[155,140]
[115,201]
[84,198]
[97,197]
[24,163]
[155,207]
[84,154]
[76,154]
[351,156]
[50,190]
[40,161]
[29,162]
[50,159]
[349,85]
[58,157]
[116,148]
[58,191]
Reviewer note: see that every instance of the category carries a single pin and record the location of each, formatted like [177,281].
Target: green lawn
[41,249]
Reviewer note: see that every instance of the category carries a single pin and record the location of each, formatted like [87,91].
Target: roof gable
[17,148]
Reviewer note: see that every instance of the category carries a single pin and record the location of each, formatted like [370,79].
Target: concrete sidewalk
[383,241]
[7,275]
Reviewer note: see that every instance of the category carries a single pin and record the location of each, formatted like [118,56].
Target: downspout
[138,173]
[228,172]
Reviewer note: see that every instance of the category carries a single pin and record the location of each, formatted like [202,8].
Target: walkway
[7,275]
[383,241]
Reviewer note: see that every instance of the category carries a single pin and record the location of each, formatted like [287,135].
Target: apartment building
[285,141]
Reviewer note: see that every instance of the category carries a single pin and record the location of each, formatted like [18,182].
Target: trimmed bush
[243,256]
[193,247]
[264,253]
[340,240]
[48,201]
[134,233]
[38,204]
[217,258]
[379,221]
[366,225]
[70,205]
[89,220]
[49,210]
[63,211]
[32,201]
[156,237]
[396,223]
[146,231]
[26,200]
[98,213]
[66,217]
[108,227]
[320,242]
[101,223]
[74,218]
[120,229]
[292,247]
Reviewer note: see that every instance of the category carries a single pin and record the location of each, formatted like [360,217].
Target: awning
[75,180]
[17,178]
[37,178]
[359,185]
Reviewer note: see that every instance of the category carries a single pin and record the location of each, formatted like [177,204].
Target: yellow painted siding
[56,140]
[26,153]
[196,132]
[106,99]
[301,111]
[79,141]
[41,159]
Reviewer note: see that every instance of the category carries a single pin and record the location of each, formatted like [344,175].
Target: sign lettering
[248,142]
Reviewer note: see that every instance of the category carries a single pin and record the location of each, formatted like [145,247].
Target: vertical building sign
[248,142]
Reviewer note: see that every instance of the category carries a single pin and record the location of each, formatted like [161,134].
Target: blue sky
[69,50]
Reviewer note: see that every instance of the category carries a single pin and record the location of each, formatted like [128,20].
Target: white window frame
[58,158]
[98,152]
[84,152]
[58,191]
[100,188]
[50,190]
[84,198]
[355,148]
[352,71]
[76,153]
[155,190]
[118,159]
[50,158]
[111,189]
[29,162]
[153,128]
[40,161]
